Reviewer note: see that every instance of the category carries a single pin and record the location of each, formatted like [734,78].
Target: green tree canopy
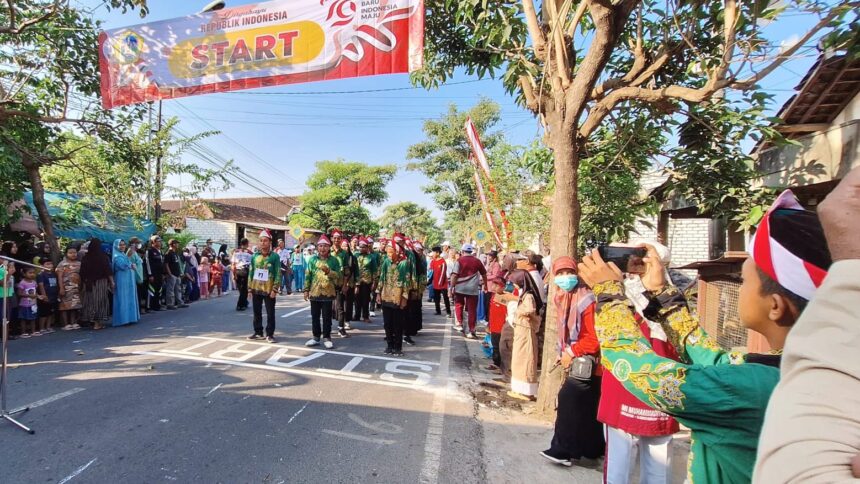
[337,195]
[413,220]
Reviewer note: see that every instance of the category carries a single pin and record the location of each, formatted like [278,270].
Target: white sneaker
[373,314]
[457,327]
[328,344]
[312,342]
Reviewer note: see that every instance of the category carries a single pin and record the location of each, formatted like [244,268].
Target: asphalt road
[183,397]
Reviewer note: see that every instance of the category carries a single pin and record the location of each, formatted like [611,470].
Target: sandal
[520,396]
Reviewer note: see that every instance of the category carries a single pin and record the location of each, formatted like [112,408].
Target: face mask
[567,281]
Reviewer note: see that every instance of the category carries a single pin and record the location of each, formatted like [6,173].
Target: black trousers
[340,308]
[349,305]
[413,321]
[496,339]
[577,432]
[321,309]
[242,287]
[362,302]
[437,295]
[257,301]
[488,297]
[154,293]
[393,320]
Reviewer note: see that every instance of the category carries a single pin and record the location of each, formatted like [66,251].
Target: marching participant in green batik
[395,280]
[368,276]
[263,281]
[322,278]
[414,320]
[721,397]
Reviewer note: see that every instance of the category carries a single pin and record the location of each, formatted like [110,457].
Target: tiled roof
[278,207]
[825,90]
[208,210]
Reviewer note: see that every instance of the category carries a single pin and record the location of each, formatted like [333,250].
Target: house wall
[820,157]
[687,238]
[221,232]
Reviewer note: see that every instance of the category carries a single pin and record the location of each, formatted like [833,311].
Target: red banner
[260,45]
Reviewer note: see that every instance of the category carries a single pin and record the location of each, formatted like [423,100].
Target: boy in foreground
[721,397]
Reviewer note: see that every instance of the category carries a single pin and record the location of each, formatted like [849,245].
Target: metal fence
[718,312]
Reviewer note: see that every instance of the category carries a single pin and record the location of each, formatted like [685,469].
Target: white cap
[467,248]
[447,243]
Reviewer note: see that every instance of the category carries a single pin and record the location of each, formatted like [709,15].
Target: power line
[361,91]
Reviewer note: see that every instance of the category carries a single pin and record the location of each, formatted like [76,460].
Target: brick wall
[688,240]
[219,231]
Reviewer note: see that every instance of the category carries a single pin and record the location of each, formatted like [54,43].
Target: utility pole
[158,174]
[149,169]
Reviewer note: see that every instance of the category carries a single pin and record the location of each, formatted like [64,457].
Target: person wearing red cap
[345,292]
[322,278]
[414,318]
[263,280]
[395,281]
[368,277]
[720,396]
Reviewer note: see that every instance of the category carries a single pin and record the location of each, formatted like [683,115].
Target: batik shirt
[265,273]
[419,280]
[318,284]
[368,269]
[395,280]
[722,403]
[348,267]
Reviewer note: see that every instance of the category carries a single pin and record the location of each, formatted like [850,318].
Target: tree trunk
[42,209]
[564,229]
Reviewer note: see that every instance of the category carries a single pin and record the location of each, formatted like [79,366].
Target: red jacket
[620,409]
[440,274]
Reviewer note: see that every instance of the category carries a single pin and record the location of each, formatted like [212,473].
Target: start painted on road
[305,361]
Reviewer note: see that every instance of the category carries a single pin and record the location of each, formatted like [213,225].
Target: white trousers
[654,457]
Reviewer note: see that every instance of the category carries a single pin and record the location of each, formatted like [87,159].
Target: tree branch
[538,39]
[17,30]
[751,81]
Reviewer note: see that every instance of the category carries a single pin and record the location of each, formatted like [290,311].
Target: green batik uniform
[419,280]
[368,269]
[318,284]
[347,267]
[722,403]
[395,281]
[272,265]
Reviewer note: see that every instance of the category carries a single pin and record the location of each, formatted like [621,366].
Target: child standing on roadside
[216,276]
[69,275]
[203,271]
[49,290]
[27,297]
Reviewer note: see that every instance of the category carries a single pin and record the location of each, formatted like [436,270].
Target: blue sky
[290,132]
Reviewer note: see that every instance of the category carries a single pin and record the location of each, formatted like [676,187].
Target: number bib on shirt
[261,275]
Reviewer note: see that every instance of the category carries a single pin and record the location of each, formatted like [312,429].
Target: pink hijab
[569,306]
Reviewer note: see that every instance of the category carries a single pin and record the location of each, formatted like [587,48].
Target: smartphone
[628,259]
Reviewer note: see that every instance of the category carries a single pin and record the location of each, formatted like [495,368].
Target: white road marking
[435,424]
[80,340]
[275,359]
[347,369]
[296,312]
[52,398]
[213,390]
[77,472]
[297,371]
[297,413]
[359,437]
[381,426]
[302,348]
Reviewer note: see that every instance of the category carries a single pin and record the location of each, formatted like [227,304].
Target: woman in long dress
[578,434]
[97,283]
[125,307]
[525,320]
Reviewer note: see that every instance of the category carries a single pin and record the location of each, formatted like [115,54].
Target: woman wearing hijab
[97,281]
[190,271]
[225,261]
[125,303]
[578,433]
[524,315]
